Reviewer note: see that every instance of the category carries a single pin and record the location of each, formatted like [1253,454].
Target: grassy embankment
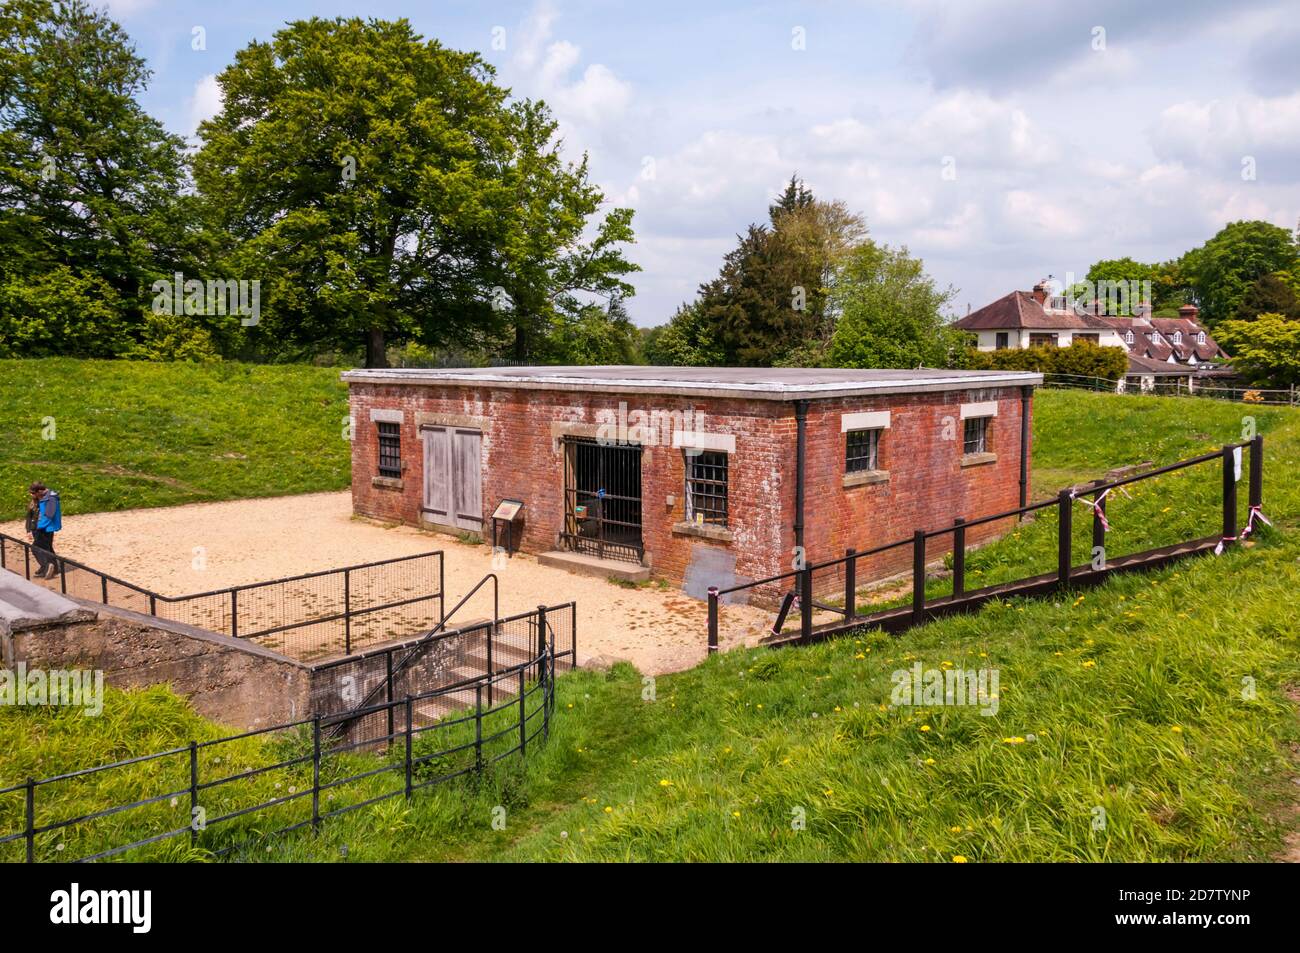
[114,435]
[1144,720]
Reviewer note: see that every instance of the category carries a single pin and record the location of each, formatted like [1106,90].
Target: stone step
[589,565]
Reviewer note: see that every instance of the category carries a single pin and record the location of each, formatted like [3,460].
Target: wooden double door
[453,476]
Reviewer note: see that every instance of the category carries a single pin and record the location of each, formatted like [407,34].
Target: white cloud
[1002,45]
[205,102]
[545,69]
[1064,153]
[1218,134]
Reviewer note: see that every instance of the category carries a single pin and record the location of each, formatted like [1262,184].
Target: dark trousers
[43,548]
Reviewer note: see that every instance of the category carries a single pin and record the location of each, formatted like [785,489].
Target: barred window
[977,435]
[861,450]
[706,487]
[390,450]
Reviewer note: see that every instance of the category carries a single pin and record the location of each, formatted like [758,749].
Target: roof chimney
[1040,292]
[1189,312]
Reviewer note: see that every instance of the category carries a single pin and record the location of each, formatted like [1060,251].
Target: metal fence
[309,616]
[825,594]
[211,799]
[455,658]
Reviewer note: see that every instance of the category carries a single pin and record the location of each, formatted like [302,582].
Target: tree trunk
[521,344]
[376,350]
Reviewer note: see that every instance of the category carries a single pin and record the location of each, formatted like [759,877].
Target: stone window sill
[865,477]
[390,483]
[719,534]
[977,459]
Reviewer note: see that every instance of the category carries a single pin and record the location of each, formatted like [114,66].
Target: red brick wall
[927,487]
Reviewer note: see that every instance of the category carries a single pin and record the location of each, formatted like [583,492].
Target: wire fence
[307,617]
[1178,386]
[224,797]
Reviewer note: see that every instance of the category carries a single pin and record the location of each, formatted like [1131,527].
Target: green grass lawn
[130,434]
[1145,720]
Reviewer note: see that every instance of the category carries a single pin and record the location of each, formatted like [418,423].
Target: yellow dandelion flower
[958,859]
[665,783]
[925,727]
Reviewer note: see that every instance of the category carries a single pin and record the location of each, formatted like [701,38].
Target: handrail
[193,604]
[428,638]
[959,528]
[525,729]
[242,587]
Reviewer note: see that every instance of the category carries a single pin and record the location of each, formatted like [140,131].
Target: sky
[1001,141]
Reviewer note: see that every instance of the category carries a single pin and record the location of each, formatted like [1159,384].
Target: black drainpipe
[800,455]
[1025,393]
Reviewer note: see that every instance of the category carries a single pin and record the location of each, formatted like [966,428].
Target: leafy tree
[549,274]
[593,335]
[758,305]
[770,297]
[796,196]
[1222,270]
[1168,287]
[382,189]
[687,340]
[1265,350]
[1122,272]
[61,311]
[90,211]
[1269,295]
[890,313]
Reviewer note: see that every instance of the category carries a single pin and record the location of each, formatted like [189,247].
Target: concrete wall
[522,457]
[231,681]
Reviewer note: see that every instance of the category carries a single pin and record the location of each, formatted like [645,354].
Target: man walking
[44,519]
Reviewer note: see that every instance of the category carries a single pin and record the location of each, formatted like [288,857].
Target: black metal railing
[443,654]
[307,616]
[207,802]
[803,581]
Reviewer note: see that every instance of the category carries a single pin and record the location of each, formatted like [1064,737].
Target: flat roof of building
[762,383]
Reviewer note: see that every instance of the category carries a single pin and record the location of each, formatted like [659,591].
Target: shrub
[1082,358]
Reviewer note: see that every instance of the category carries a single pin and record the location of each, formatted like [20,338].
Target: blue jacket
[51,513]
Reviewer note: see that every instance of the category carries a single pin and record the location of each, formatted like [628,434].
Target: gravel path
[243,541]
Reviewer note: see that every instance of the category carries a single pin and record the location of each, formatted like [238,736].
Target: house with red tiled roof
[1161,351]
[1034,319]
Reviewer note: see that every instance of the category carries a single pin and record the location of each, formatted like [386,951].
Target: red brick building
[701,476]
